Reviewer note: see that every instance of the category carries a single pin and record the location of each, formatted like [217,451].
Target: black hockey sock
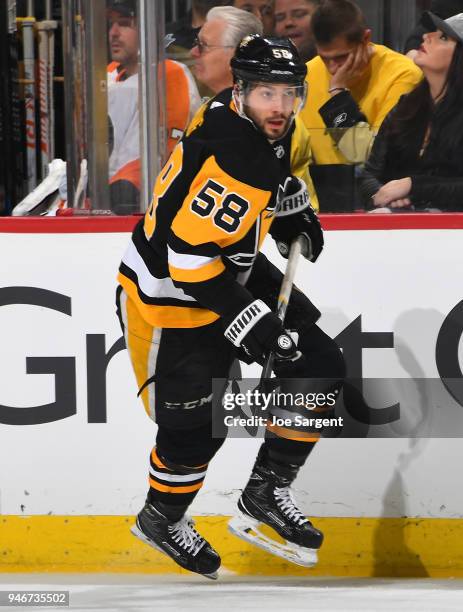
[284,457]
[173,487]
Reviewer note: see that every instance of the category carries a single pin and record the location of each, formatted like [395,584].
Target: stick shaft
[296,249]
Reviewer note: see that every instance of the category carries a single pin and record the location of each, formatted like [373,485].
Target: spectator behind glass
[352,85]
[263,9]
[417,159]
[292,19]
[181,34]
[443,9]
[182,101]
[225,27]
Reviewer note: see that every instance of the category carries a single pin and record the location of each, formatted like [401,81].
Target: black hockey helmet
[275,60]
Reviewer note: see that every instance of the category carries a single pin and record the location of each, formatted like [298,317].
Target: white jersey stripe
[177,477]
[188,262]
[152,363]
[149,284]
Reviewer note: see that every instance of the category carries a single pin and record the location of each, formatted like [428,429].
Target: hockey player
[193,275]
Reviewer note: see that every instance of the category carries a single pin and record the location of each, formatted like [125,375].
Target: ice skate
[267,499]
[179,540]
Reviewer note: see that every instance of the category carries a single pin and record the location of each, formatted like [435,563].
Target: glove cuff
[245,321]
[295,202]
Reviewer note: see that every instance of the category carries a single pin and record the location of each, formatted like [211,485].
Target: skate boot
[268,499]
[177,539]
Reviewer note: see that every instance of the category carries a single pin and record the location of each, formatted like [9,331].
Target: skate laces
[287,504]
[186,536]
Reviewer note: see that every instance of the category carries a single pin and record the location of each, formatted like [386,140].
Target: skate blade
[247,529]
[138,533]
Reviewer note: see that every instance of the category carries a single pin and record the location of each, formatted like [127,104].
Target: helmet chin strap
[237,99]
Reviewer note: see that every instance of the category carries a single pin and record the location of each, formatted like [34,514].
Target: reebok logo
[339,119]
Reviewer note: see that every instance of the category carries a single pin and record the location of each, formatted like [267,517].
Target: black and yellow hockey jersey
[212,206]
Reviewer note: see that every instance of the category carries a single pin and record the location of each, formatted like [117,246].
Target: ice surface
[133,593]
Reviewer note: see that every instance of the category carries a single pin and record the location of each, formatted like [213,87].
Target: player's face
[212,57]
[292,18]
[271,106]
[436,53]
[262,9]
[123,38]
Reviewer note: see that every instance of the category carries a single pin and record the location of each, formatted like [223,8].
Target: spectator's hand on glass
[354,66]
[394,194]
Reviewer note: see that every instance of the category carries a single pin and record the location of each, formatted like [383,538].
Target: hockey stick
[27,29]
[297,247]
[46,68]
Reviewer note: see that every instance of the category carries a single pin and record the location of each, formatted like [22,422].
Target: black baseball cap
[127,8]
[453,26]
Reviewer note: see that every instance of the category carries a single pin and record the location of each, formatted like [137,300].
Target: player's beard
[272,132]
[276,127]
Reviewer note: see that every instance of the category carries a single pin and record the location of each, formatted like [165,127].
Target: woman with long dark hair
[417,159]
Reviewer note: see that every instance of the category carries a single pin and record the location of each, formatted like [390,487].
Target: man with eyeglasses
[181,34]
[215,44]
[196,293]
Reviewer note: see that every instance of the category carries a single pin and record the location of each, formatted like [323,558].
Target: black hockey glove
[256,330]
[294,217]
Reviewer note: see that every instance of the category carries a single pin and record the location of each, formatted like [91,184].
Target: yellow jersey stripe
[167,316]
[210,270]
